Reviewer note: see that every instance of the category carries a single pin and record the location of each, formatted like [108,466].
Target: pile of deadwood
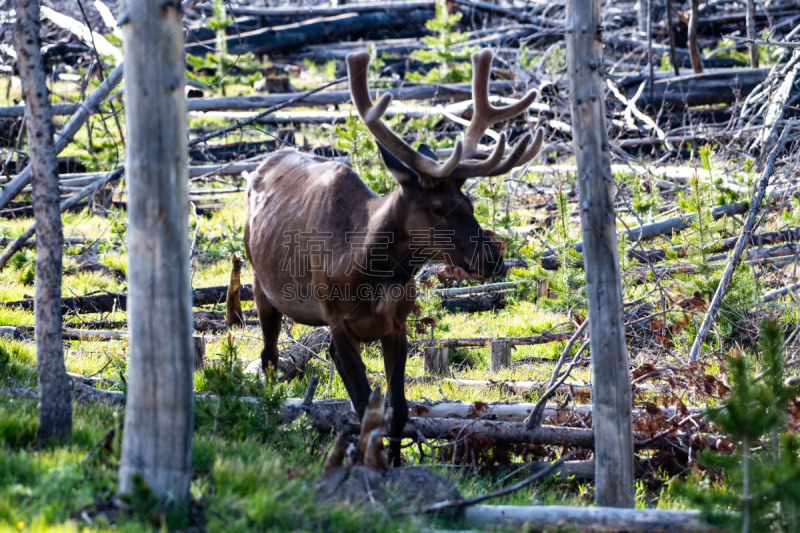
[668,436]
[661,113]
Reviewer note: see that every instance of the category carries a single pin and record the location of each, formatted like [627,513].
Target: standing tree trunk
[55,407]
[750,22]
[611,392]
[157,439]
[642,14]
[671,33]
[694,50]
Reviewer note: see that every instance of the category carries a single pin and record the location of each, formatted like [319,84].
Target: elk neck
[387,245]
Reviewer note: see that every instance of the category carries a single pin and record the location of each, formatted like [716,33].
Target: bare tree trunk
[750,22]
[611,398]
[157,439]
[55,407]
[642,14]
[671,33]
[694,51]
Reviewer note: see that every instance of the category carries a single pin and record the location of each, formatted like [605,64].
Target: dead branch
[741,244]
[535,417]
[544,338]
[89,190]
[464,502]
[81,112]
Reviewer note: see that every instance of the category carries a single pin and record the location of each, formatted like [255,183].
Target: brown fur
[301,210]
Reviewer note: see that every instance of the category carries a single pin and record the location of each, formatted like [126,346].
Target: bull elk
[326,250]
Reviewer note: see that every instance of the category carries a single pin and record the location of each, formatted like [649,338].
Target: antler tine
[524,151]
[475,167]
[357,68]
[484,113]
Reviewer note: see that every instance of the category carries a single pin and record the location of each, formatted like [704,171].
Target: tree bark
[611,395]
[750,22]
[671,34]
[55,404]
[157,438]
[694,50]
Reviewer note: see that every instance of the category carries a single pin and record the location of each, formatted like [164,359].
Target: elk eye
[438,211]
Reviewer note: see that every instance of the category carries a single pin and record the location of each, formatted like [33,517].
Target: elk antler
[463,162]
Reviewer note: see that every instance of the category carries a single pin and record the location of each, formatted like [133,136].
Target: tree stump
[199,351]
[436,361]
[499,355]
[233,301]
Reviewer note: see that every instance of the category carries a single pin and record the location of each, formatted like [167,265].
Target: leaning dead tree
[611,401]
[157,439]
[55,403]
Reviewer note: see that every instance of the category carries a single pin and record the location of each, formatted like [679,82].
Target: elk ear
[404,175]
[425,150]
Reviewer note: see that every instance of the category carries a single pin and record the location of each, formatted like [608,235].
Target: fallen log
[544,338]
[583,469]
[577,388]
[91,38]
[477,289]
[707,88]
[81,112]
[327,421]
[263,101]
[327,416]
[291,36]
[756,240]
[110,177]
[476,303]
[292,360]
[306,12]
[753,256]
[774,295]
[109,301]
[68,241]
[93,334]
[557,517]
[669,226]
[508,411]
[513,13]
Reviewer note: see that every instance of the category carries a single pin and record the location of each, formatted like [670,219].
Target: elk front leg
[270,320]
[347,357]
[395,352]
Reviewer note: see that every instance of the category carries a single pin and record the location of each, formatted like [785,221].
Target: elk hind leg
[270,320]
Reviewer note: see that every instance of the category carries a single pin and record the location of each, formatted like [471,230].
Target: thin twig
[463,502]
[534,418]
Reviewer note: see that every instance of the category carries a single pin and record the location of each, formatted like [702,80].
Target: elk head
[440,218]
